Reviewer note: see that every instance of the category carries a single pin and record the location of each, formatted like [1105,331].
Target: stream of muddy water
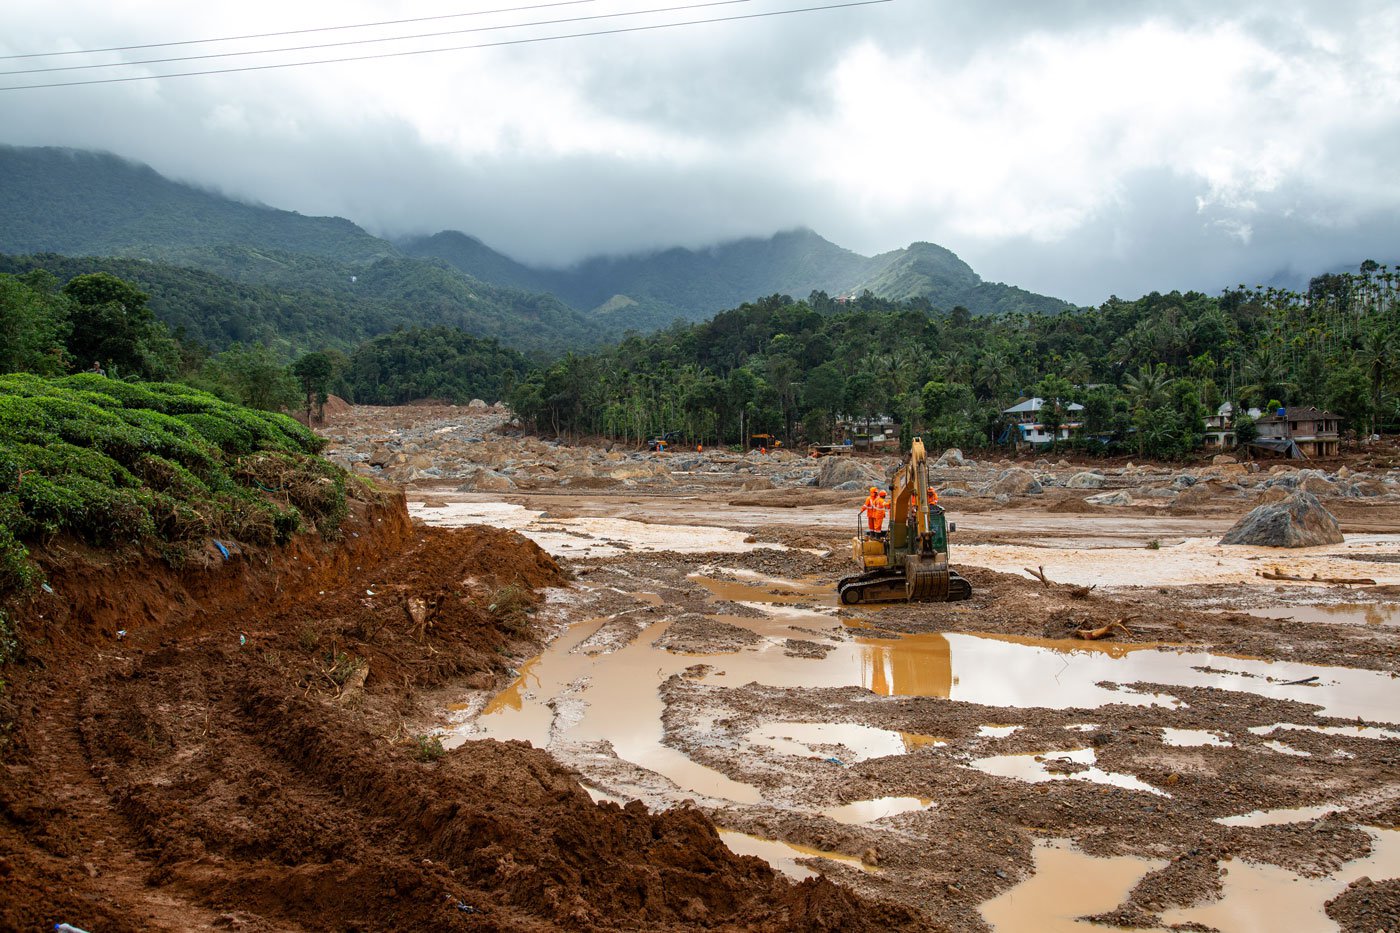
[594,698]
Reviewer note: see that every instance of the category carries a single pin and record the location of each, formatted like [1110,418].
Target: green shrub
[116,462]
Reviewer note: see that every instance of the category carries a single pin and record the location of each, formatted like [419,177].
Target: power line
[292,32]
[457,48]
[348,42]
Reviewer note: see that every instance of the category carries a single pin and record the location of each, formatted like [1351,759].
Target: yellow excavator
[909,560]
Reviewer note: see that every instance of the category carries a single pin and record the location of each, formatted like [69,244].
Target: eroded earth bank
[340,741]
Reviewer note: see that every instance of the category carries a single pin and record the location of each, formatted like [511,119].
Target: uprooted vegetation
[117,463]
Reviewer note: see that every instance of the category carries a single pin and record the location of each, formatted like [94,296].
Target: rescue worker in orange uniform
[872,502]
[882,508]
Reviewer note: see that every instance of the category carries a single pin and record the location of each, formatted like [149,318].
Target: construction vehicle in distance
[909,560]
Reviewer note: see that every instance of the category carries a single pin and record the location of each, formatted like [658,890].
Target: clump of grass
[1154,545]
[427,748]
[340,666]
[510,605]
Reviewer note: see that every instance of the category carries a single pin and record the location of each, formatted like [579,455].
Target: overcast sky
[1079,149]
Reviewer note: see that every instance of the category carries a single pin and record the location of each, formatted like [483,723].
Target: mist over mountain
[286,274]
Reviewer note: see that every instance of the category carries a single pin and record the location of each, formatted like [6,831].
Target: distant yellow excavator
[909,561]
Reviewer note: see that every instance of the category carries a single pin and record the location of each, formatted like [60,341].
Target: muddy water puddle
[1193,738]
[868,811]
[1074,764]
[1339,613]
[1193,561]
[849,742]
[1262,898]
[1068,884]
[610,693]
[587,536]
[786,857]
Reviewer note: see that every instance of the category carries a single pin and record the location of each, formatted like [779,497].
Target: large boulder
[953,456]
[1318,486]
[487,481]
[1015,482]
[837,471]
[1198,494]
[1086,480]
[1120,497]
[1298,521]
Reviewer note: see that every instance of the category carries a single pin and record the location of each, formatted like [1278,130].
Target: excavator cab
[909,560]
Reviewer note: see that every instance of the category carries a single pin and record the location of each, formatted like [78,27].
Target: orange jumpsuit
[877,514]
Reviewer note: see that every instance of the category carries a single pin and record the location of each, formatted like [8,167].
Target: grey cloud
[718,94]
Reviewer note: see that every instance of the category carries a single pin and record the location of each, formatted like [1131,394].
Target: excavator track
[880,586]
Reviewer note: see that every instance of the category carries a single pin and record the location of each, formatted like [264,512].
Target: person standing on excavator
[872,502]
[882,508]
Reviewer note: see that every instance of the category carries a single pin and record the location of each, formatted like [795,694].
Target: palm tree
[1266,374]
[994,374]
[1377,355]
[1147,387]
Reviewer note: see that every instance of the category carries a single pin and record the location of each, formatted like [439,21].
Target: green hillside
[472,257]
[648,291]
[926,270]
[230,271]
[328,308]
[95,204]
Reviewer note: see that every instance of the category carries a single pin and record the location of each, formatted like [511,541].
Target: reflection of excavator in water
[909,561]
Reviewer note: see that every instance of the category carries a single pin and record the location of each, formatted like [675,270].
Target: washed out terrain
[557,685]
[1228,757]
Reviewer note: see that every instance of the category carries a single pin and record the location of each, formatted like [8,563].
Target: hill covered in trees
[68,203]
[650,290]
[1147,371]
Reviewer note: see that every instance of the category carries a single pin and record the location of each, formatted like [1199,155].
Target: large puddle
[1192,562]
[588,536]
[575,693]
[1338,613]
[1068,884]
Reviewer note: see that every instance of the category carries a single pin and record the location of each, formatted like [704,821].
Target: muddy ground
[340,741]
[234,747]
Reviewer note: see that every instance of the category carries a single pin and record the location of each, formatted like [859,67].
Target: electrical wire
[348,42]
[292,32]
[458,48]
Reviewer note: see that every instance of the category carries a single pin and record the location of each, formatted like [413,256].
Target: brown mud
[242,756]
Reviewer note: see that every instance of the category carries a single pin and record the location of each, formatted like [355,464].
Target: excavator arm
[911,560]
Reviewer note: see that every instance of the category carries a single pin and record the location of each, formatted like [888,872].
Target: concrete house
[1220,427]
[1300,432]
[1026,426]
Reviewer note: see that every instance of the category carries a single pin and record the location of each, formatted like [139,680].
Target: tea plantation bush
[117,463]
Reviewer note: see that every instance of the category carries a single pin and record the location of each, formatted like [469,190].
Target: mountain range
[73,203]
